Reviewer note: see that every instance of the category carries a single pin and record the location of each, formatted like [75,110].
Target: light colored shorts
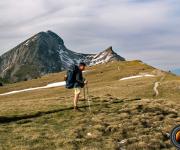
[77,91]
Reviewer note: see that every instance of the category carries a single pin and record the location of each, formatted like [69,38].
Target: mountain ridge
[45,52]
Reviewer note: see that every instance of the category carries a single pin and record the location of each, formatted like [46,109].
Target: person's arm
[65,77]
[78,78]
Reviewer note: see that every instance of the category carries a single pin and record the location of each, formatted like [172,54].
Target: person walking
[75,80]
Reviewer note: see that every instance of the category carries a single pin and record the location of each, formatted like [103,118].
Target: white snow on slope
[101,57]
[27,43]
[56,84]
[137,76]
[86,71]
[6,69]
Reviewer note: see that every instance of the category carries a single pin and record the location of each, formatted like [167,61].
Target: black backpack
[71,77]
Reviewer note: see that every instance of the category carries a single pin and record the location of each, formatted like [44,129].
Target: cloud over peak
[147,28]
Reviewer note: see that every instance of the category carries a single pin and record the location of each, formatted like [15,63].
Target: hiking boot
[76,108]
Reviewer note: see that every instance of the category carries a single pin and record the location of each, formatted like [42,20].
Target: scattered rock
[123,141]
[111,129]
[166,136]
[89,134]
[173,115]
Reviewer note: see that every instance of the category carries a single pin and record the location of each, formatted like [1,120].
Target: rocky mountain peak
[45,53]
[54,36]
[106,56]
[109,50]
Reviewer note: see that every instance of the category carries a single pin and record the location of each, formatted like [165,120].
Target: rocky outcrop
[45,53]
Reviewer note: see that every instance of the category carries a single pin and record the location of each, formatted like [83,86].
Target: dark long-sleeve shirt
[79,80]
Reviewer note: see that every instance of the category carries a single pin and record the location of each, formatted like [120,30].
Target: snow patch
[33,39]
[56,84]
[5,69]
[137,76]
[51,85]
[101,58]
[27,43]
[86,71]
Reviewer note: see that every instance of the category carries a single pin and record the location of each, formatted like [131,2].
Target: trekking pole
[88,98]
[84,93]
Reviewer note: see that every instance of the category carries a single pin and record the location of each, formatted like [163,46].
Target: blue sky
[137,29]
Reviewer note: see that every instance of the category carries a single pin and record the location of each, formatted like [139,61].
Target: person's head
[82,66]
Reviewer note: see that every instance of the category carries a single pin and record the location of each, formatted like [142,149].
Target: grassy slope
[117,114]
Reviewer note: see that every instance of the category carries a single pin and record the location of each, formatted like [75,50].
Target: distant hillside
[176,71]
[45,53]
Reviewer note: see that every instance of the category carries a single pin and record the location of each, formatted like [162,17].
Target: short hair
[82,64]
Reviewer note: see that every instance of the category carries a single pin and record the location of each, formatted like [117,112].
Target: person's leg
[76,97]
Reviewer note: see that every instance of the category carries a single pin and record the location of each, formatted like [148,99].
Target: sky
[148,30]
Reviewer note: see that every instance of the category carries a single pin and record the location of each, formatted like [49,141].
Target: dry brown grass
[114,124]
[125,113]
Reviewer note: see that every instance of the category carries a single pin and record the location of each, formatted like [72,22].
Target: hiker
[74,79]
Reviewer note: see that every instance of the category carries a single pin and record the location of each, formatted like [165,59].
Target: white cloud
[133,27]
